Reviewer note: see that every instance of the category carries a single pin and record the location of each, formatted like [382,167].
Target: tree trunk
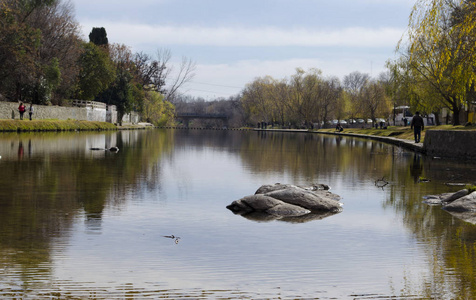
[437,118]
[456,110]
[120,115]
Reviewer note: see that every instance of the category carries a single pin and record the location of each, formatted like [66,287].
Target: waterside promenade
[455,144]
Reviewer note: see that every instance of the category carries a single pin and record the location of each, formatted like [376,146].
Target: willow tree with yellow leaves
[256,101]
[441,50]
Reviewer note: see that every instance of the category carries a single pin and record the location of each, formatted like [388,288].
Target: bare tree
[329,95]
[185,74]
[354,84]
[159,74]
[355,81]
[375,101]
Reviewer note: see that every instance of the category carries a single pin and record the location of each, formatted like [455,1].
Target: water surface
[76,223]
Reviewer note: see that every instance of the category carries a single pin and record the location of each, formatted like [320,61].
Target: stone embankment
[81,110]
[459,144]
[451,143]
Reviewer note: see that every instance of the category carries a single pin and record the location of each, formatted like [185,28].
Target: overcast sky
[233,42]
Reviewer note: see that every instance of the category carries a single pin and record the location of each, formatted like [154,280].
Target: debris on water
[380,183]
[422,179]
[175,238]
[112,149]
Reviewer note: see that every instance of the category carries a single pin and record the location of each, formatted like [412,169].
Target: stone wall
[450,143]
[81,110]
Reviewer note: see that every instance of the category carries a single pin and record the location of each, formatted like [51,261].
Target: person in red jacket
[417,125]
[21,109]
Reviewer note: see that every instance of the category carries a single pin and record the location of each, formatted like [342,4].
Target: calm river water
[82,224]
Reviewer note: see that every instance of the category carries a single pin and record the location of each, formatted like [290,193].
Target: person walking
[21,109]
[30,110]
[417,125]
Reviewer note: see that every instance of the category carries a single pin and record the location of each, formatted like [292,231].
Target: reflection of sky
[364,249]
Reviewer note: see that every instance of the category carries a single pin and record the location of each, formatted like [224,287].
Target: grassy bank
[404,133]
[53,125]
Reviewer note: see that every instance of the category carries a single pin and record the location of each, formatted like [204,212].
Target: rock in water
[278,186]
[287,201]
[262,203]
[312,200]
[445,198]
[463,204]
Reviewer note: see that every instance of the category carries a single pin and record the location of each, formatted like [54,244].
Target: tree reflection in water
[43,193]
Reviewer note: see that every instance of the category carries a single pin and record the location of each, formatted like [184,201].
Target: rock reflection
[265,217]
[469,217]
[93,222]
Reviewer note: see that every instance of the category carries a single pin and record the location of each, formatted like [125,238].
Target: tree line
[436,66]
[43,60]
[305,100]
[308,99]
[435,71]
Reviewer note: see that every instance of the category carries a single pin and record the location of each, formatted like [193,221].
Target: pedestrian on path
[30,110]
[417,125]
[21,109]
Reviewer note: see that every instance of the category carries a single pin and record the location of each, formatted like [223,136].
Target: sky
[234,42]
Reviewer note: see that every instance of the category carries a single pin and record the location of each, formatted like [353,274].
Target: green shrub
[471,188]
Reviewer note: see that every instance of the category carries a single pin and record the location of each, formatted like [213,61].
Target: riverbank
[53,125]
[446,140]
[438,141]
[400,136]
[66,125]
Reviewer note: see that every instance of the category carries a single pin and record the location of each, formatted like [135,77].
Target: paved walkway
[408,144]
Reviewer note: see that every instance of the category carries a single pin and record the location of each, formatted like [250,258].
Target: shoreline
[441,141]
[438,142]
[27,125]
[409,144]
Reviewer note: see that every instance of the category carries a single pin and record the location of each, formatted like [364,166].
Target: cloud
[231,57]
[223,80]
[142,34]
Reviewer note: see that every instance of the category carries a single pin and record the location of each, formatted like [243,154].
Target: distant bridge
[186,117]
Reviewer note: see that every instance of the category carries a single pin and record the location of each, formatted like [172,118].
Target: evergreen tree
[98,36]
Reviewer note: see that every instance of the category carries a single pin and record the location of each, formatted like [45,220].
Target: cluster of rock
[288,202]
[461,204]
